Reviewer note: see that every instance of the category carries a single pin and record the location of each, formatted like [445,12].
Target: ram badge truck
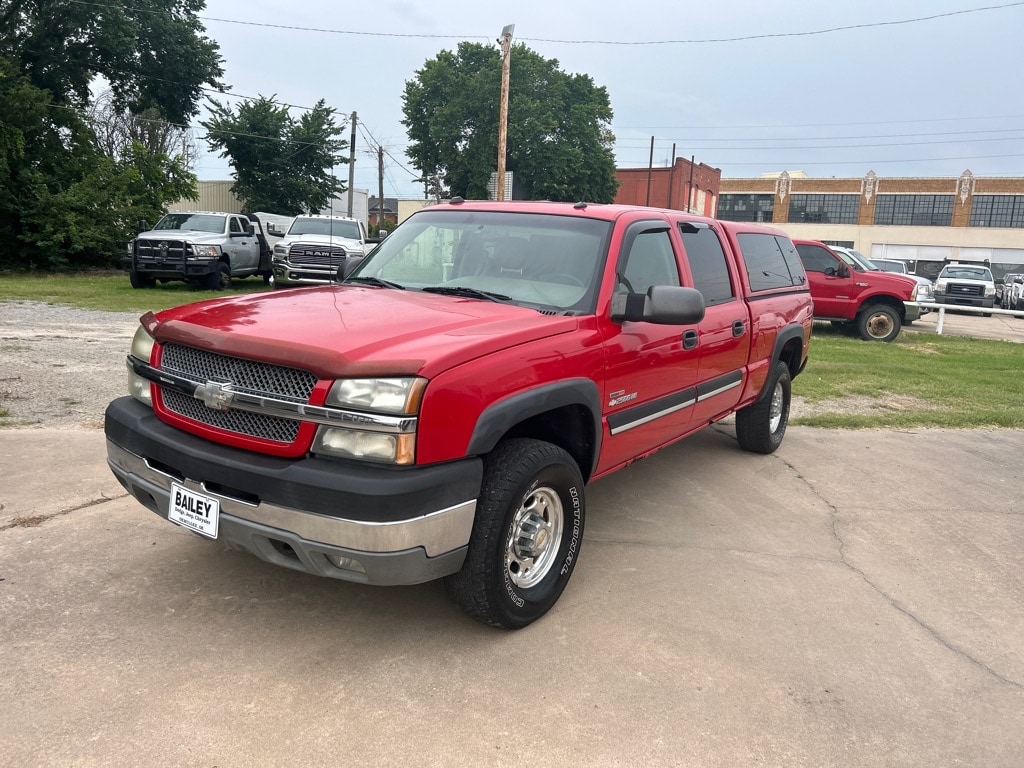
[439,412]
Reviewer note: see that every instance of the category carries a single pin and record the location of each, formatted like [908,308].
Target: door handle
[689,339]
[738,327]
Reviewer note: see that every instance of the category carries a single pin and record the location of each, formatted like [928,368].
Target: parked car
[1013,291]
[850,294]
[966,285]
[315,248]
[924,290]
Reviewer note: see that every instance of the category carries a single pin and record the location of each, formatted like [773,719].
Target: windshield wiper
[380,283]
[469,293]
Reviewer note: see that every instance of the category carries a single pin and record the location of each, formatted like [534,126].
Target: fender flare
[786,335]
[501,416]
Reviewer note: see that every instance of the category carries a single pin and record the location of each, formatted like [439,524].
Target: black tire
[761,426]
[878,322]
[219,280]
[138,281]
[530,489]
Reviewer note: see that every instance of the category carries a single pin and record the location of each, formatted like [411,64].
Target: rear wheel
[878,322]
[527,535]
[760,427]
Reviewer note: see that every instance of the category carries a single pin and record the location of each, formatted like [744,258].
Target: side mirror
[843,271]
[143,225]
[252,230]
[349,266]
[662,305]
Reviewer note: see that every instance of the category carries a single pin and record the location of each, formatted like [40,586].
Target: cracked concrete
[852,600]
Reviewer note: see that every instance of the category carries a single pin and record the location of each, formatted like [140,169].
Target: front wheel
[760,427]
[220,279]
[527,535]
[138,281]
[878,322]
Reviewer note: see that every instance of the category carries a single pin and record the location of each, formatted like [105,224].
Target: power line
[693,41]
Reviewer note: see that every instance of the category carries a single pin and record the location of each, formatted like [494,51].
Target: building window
[746,207]
[997,211]
[824,209]
[915,210]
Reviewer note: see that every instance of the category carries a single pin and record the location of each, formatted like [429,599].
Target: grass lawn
[920,380]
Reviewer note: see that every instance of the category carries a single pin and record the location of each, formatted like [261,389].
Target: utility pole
[506,48]
[351,163]
[380,188]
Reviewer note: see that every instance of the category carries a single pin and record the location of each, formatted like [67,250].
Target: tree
[281,164]
[117,131]
[559,140]
[65,201]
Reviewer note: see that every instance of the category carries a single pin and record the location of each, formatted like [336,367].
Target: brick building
[920,220]
[684,186]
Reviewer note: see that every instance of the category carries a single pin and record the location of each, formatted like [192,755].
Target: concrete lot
[853,600]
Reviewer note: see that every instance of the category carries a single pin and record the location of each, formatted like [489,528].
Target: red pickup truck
[871,302]
[438,413]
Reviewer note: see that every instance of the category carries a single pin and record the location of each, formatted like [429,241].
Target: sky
[900,87]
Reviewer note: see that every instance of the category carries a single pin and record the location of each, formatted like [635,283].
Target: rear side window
[816,258]
[707,264]
[769,261]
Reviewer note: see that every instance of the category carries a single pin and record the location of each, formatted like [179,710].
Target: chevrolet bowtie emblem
[215,395]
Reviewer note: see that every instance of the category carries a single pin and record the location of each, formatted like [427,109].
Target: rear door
[724,334]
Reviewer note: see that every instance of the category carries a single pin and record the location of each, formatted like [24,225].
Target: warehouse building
[923,221]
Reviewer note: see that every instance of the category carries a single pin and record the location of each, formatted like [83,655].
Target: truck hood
[191,235]
[354,331]
[899,285]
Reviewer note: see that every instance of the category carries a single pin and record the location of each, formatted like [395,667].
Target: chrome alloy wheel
[534,538]
[775,411]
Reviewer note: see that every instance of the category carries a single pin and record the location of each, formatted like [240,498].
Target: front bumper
[985,302]
[173,270]
[376,525]
[286,274]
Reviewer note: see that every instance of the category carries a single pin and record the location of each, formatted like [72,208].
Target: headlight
[940,286]
[141,349]
[280,251]
[385,438]
[990,290]
[913,293]
[368,446]
[205,252]
[392,396]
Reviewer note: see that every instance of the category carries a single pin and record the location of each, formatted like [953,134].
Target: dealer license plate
[194,510]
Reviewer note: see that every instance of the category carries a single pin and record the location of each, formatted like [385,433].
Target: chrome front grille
[312,255]
[247,376]
[161,251]
[966,289]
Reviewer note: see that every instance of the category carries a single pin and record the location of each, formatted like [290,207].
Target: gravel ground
[60,366]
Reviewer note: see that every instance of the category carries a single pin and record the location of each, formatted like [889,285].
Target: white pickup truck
[315,248]
[205,248]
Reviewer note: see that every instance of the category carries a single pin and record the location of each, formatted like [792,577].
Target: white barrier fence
[941,309]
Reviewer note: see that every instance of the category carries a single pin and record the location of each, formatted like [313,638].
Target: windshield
[890,266]
[967,273]
[325,226]
[542,261]
[195,222]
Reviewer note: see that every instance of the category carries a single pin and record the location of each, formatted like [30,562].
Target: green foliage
[64,202]
[559,140]
[281,164]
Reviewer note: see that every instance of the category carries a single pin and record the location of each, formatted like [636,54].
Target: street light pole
[506,46]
